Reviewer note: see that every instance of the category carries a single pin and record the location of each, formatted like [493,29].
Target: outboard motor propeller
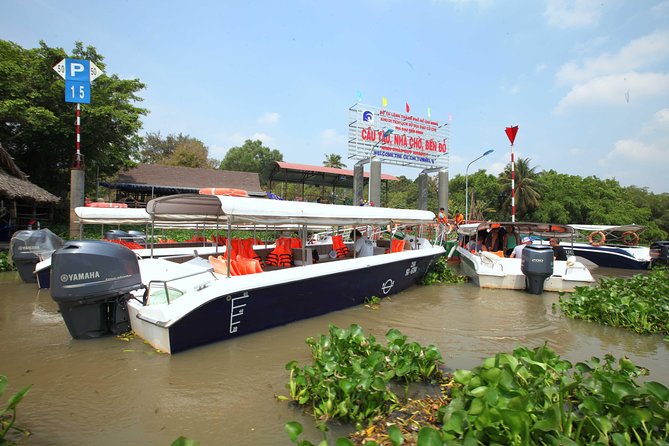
[91,281]
[659,253]
[537,265]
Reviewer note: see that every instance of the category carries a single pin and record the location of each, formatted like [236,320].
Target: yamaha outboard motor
[117,234]
[91,281]
[28,247]
[537,265]
[659,253]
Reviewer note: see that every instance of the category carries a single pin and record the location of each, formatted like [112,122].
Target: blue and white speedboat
[610,246]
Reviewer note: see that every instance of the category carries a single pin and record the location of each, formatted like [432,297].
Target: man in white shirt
[518,250]
[363,245]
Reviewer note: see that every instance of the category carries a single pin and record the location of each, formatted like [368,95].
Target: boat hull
[256,308]
[613,256]
[505,273]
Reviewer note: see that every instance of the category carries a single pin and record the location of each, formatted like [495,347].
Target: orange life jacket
[281,254]
[339,246]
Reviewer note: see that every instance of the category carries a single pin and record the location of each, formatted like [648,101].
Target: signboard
[78,75]
[397,138]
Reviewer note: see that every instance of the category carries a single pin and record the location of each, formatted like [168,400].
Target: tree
[334,161]
[527,194]
[37,125]
[252,157]
[179,150]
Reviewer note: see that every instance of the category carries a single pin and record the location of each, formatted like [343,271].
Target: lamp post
[488,152]
[386,133]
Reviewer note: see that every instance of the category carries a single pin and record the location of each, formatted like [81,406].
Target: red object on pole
[78,162]
[511,133]
[408,108]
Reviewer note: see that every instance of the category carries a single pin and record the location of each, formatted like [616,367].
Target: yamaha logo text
[80,276]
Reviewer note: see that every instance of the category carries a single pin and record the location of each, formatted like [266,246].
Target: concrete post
[358,182]
[77,186]
[375,181]
[443,189]
[422,191]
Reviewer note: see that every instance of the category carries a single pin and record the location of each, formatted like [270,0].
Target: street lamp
[386,133]
[467,184]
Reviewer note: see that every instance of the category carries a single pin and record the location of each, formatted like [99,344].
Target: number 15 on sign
[76,91]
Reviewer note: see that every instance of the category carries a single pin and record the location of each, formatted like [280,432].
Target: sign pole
[511,134]
[77,158]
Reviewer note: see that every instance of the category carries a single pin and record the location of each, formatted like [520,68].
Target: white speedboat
[103,287]
[611,246]
[536,270]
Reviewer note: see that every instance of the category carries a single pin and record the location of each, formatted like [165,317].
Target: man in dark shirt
[558,251]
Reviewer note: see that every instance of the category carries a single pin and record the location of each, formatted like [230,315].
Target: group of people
[507,240]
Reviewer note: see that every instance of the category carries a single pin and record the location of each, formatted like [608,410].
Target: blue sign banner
[78,92]
[77,70]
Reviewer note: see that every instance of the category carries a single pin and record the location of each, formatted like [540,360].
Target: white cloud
[573,13]
[638,54]
[330,137]
[634,151]
[614,89]
[661,9]
[269,118]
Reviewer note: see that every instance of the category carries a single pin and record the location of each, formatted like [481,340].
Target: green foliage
[38,123]
[183,441]
[252,157]
[441,273]
[8,414]
[639,304]
[527,187]
[5,264]
[350,376]
[179,150]
[533,397]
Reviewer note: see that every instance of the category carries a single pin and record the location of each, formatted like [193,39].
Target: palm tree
[527,195]
[333,160]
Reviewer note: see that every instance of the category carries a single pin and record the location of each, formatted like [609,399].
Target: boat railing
[164,285]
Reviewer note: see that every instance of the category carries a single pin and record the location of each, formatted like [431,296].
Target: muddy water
[110,392]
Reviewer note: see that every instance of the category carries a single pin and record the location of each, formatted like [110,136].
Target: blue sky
[587,82]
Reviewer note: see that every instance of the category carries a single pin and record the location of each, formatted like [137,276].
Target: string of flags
[384,103]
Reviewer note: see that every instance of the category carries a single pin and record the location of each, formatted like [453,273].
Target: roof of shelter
[318,175]
[177,179]
[14,183]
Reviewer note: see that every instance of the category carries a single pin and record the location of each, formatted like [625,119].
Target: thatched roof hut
[20,200]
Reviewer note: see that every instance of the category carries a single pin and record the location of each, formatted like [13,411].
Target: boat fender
[630,238]
[597,238]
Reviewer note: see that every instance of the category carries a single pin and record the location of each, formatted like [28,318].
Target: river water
[110,392]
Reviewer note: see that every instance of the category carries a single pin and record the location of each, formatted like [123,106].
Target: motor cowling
[659,253]
[91,281]
[29,247]
[537,265]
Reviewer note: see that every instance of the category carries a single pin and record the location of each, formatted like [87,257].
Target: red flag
[408,108]
[511,133]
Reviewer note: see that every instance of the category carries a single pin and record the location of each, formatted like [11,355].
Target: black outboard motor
[137,237]
[537,265]
[117,234]
[29,247]
[91,281]
[659,253]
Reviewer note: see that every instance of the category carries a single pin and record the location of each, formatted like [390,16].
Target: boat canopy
[239,210]
[556,230]
[608,228]
[112,216]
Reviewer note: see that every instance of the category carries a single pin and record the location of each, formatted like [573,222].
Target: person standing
[558,251]
[518,250]
[363,247]
[510,240]
[442,220]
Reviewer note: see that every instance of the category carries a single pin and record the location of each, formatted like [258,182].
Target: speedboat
[536,271]
[104,288]
[611,246]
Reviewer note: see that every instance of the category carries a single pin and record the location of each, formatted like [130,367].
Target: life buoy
[597,238]
[223,191]
[630,238]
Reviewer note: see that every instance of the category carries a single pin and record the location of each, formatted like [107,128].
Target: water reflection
[109,392]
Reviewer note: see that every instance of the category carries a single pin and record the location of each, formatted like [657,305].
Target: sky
[586,82]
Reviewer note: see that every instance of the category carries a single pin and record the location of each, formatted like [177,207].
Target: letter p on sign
[77,70]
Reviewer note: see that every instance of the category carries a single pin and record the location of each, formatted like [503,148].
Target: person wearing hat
[517,251]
